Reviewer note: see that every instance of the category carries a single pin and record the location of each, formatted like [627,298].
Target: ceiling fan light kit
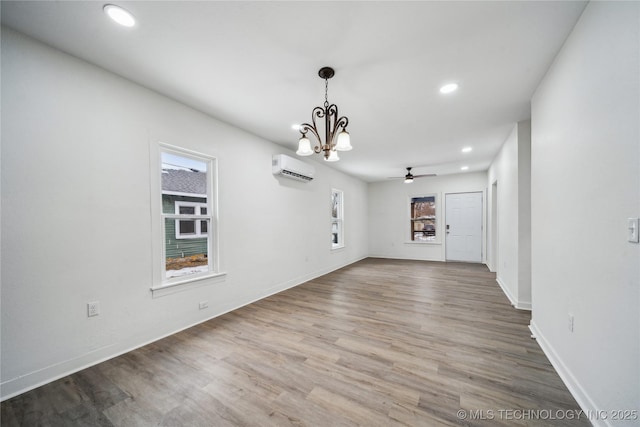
[408,178]
[335,127]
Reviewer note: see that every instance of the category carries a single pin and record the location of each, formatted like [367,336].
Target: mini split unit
[289,167]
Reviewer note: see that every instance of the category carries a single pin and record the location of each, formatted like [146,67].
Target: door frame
[494,249]
[483,228]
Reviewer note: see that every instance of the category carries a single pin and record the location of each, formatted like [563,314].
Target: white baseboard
[490,267]
[520,305]
[506,291]
[576,390]
[404,258]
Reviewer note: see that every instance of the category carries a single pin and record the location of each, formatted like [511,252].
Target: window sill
[422,243]
[186,283]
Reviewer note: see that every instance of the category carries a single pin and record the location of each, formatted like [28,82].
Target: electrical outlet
[570,324]
[93,308]
[203,305]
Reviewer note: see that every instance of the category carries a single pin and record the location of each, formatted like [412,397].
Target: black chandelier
[336,135]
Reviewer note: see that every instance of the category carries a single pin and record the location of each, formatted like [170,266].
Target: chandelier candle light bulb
[304,147]
[333,157]
[336,135]
[344,142]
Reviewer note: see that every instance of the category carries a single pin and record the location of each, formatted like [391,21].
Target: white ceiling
[255,64]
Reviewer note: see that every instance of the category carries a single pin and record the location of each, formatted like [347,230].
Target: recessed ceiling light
[295,127]
[467,149]
[119,15]
[464,168]
[448,88]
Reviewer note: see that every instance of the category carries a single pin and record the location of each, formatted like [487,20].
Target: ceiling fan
[408,178]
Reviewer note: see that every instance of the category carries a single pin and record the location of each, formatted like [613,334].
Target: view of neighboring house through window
[423,218]
[186,212]
[190,229]
[337,212]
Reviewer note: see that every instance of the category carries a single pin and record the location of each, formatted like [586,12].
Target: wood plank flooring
[377,343]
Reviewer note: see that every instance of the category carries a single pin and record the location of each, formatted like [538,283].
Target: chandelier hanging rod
[336,135]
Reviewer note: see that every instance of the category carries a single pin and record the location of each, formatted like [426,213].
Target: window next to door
[423,219]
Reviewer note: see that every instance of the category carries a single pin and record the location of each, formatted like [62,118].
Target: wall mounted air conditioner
[292,168]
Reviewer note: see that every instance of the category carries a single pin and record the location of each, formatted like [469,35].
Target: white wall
[511,170]
[76,222]
[585,184]
[389,201]
[524,215]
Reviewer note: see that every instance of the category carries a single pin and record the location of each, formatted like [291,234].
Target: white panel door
[463,227]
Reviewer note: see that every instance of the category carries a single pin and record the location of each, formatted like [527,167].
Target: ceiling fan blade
[414,176]
[410,175]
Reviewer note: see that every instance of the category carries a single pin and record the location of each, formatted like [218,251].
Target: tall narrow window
[337,221]
[423,219]
[187,220]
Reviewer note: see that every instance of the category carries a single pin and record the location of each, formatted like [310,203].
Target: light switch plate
[633,230]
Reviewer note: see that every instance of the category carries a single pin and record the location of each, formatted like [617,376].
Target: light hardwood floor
[377,343]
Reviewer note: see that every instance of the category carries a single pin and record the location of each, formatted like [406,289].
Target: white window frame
[438,233]
[161,285]
[198,212]
[338,220]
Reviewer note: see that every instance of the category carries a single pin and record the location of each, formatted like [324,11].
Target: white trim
[512,299]
[492,224]
[520,305]
[158,218]
[436,220]
[162,290]
[576,390]
[418,242]
[490,267]
[407,258]
[340,233]
[179,193]
[339,219]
